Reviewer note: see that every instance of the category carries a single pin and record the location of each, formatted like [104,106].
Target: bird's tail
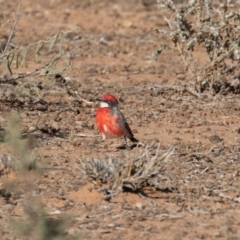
[133,139]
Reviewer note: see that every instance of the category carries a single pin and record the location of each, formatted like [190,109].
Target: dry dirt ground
[196,195]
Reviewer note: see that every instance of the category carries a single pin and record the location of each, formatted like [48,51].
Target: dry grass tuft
[128,173]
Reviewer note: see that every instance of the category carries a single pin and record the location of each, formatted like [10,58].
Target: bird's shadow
[126,147]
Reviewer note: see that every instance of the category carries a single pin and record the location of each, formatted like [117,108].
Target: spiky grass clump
[26,159]
[42,225]
[127,173]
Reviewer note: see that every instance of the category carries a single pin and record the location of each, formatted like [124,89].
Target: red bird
[110,121]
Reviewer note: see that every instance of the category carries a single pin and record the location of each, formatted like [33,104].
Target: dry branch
[16,19]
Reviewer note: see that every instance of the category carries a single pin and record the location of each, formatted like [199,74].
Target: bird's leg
[126,146]
[103,137]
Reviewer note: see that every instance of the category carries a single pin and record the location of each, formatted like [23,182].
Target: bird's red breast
[108,123]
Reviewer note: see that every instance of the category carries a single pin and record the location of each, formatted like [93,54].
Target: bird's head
[108,100]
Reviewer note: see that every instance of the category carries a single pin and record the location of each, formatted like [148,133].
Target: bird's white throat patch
[103,105]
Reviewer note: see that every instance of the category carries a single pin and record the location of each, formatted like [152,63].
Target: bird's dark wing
[127,130]
[130,134]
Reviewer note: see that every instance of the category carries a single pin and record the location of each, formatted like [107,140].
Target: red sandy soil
[114,42]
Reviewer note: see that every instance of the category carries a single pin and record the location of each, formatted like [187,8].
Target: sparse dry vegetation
[174,66]
[211,27]
[133,173]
